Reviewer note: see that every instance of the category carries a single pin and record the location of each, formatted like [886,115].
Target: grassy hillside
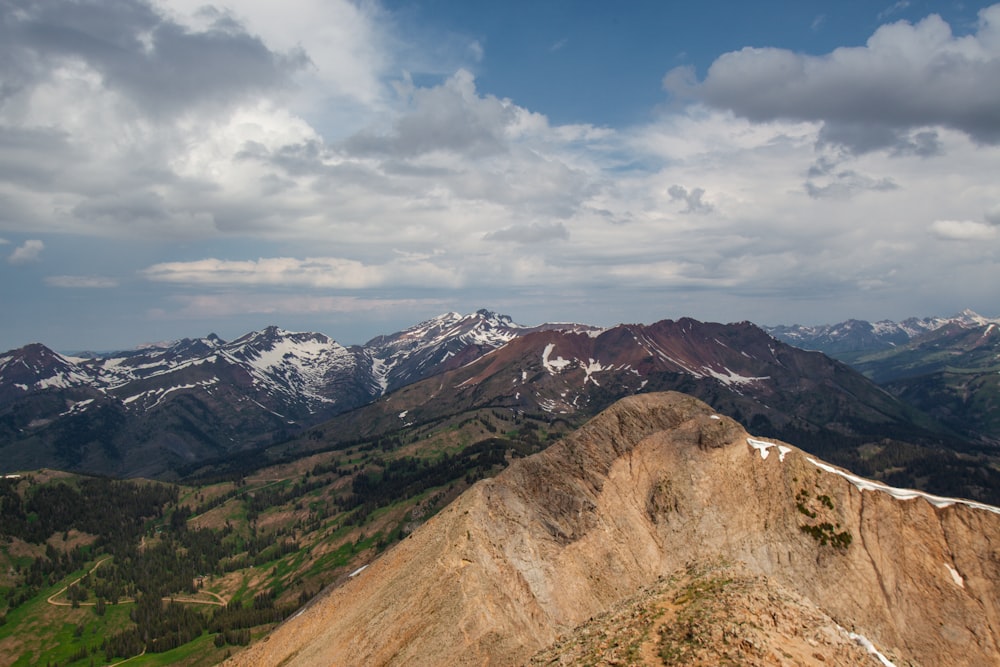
[94,571]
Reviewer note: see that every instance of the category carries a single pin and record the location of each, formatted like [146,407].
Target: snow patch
[863,484]
[380,373]
[955,576]
[556,365]
[594,367]
[866,643]
[161,393]
[765,447]
[79,406]
[357,571]
[730,377]
[402,415]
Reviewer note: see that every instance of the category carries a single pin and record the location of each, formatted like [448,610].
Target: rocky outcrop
[650,486]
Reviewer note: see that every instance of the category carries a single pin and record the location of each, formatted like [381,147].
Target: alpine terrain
[662,532]
[147,411]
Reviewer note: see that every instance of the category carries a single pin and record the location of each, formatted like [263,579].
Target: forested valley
[107,570]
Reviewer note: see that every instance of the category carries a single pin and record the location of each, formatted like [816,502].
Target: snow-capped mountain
[160,408]
[196,397]
[853,338]
[566,376]
[444,342]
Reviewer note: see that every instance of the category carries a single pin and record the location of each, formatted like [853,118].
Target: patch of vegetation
[824,532]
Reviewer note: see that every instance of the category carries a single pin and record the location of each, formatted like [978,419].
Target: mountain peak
[646,490]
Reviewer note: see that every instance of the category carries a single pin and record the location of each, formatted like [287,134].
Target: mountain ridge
[165,409]
[655,482]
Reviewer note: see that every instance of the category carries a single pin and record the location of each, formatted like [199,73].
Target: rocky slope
[657,482]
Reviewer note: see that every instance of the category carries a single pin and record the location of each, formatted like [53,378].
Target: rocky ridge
[652,485]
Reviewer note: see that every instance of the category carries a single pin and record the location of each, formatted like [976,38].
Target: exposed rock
[708,614]
[651,485]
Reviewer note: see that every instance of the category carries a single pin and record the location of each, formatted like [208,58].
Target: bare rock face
[708,614]
[650,486]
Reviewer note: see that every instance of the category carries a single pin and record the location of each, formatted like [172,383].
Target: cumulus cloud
[135,50]
[451,117]
[82,282]
[29,251]
[364,179]
[906,78]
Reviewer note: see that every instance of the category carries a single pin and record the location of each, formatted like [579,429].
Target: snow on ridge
[885,327]
[765,448]
[63,380]
[78,406]
[863,484]
[162,393]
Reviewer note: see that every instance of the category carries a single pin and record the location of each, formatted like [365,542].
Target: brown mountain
[742,550]
[774,389]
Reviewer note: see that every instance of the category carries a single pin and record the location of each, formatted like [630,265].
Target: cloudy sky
[174,168]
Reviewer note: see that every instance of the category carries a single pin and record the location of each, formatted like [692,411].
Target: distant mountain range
[164,411]
[143,412]
[854,338]
[946,367]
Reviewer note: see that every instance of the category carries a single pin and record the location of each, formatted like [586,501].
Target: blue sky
[171,169]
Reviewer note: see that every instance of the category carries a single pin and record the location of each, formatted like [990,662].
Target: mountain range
[851,339]
[165,411]
[144,411]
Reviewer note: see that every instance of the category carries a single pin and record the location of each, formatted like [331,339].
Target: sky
[174,168]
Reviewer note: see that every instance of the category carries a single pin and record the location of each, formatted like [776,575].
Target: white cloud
[29,251]
[346,175]
[906,78]
[213,306]
[315,272]
[964,230]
